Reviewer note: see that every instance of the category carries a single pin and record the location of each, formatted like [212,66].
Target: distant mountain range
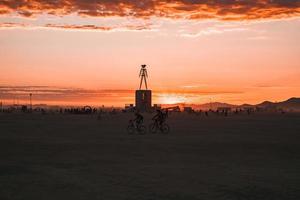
[292,103]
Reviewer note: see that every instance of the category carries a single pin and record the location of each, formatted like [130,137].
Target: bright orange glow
[171,99]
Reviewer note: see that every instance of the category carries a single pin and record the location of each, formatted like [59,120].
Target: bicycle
[140,129]
[163,128]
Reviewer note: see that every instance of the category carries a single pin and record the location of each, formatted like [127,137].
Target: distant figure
[138,119]
[206,113]
[144,76]
[159,117]
[248,111]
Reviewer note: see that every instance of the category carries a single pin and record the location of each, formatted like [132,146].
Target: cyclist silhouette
[138,119]
[159,117]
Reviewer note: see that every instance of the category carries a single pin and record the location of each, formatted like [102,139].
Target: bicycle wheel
[142,130]
[152,128]
[130,130]
[165,129]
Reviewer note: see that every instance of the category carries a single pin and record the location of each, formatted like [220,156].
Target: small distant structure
[143,97]
[156,107]
[188,109]
[129,108]
[173,109]
[87,110]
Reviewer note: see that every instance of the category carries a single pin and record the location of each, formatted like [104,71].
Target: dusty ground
[78,157]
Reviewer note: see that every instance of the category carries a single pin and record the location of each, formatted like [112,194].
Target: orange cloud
[80,27]
[77,27]
[183,9]
[102,28]
[11,25]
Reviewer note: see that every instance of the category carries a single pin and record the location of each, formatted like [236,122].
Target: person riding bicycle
[138,119]
[159,117]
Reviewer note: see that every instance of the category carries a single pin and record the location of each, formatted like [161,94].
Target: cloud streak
[99,28]
[12,25]
[176,9]
[90,27]
[212,31]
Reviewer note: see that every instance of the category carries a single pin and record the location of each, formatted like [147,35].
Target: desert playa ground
[56,156]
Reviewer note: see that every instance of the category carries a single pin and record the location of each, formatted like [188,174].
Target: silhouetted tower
[143,98]
[144,76]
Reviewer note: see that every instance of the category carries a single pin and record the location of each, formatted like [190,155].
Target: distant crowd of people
[237,111]
[161,113]
[78,110]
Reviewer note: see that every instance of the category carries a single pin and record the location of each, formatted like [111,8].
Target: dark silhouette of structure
[143,98]
[144,76]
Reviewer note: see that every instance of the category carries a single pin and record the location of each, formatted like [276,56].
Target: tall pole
[30,97]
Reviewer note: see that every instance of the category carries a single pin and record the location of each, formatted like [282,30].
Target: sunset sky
[90,51]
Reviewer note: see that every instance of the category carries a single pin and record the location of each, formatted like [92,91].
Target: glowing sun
[171,99]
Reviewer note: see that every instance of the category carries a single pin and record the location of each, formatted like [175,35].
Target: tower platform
[143,100]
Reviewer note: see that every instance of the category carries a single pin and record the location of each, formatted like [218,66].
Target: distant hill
[292,103]
[265,104]
[215,105]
